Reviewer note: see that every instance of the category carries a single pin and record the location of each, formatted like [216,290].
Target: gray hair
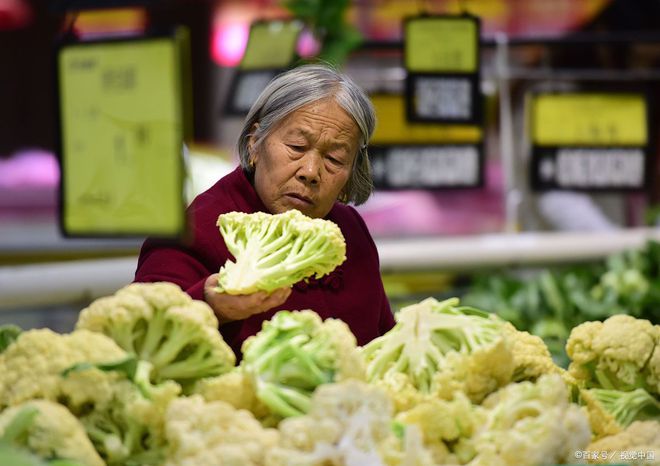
[304,85]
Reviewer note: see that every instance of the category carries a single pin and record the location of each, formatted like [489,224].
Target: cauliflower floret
[48,430]
[32,368]
[214,433]
[640,439]
[163,325]
[531,356]
[615,354]
[349,424]
[236,388]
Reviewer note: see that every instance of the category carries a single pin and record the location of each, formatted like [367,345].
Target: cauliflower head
[236,388]
[640,437]
[531,356]
[529,423]
[215,433]
[161,324]
[295,352]
[48,430]
[349,424]
[274,251]
[617,354]
[32,367]
[441,348]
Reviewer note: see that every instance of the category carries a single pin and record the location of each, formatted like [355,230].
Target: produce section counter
[76,281]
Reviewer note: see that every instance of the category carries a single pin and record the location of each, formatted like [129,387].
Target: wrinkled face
[307,160]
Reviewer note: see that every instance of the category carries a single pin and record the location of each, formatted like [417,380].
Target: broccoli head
[294,353]
[161,324]
[48,430]
[443,348]
[274,251]
[617,354]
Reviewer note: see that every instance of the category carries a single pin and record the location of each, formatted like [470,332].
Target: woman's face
[307,160]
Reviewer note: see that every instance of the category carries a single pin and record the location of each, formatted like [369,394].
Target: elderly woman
[303,146]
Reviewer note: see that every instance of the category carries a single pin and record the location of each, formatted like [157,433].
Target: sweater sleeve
[386,317]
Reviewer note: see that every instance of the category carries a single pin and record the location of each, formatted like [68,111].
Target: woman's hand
[229,307]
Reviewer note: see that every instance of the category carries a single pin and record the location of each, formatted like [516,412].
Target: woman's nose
[310,168]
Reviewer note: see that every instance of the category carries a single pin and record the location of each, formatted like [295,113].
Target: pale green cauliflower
[162,324]
[215,433]
[274,251]
[48,430]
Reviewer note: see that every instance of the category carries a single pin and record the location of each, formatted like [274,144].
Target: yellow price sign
[121,115]
[271,44]
[588,119]
[394,128]
[442,44]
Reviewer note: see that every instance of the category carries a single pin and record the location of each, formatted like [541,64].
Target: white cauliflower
[215,433]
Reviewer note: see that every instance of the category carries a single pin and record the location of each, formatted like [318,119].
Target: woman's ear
[252,141]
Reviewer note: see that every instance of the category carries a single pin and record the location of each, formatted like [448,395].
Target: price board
[410,155]
[441,56]
[270,49]
[589,141]
[123,108]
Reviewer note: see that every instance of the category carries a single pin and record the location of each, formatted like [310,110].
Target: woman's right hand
[229,307]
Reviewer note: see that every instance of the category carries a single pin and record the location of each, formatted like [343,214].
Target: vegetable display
[274,251]
[143,380]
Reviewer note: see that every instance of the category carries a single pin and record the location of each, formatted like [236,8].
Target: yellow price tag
[394,128]
[271,44]
[589,119]
[121,116]
[442,44]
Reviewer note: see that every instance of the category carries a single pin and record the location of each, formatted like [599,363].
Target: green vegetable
[274,251]
[294,353]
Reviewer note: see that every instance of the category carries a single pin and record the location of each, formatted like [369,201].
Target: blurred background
[544,258]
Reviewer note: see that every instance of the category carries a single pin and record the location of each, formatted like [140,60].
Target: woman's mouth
[298,200]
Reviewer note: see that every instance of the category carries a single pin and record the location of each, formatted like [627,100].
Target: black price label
[426,167]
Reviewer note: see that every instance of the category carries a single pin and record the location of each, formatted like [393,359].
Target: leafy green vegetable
[274,251]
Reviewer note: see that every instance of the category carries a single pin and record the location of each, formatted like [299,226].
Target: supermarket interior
[515,166]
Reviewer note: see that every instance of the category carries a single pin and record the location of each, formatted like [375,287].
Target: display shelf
[83,280]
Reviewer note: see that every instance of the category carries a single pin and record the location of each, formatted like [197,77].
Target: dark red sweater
[353,292]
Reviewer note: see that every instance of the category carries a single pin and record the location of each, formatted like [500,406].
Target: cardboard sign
[122,122]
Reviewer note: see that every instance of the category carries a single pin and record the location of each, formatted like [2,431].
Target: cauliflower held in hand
[349,424]
[529,424]
[274,251]
[48,430]
[618,354]
[163,325]
[214,433]
[442,348]
[294,353]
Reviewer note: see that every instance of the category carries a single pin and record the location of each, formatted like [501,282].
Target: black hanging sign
[441,55]
[589,141]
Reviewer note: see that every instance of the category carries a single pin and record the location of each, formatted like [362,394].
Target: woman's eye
[334,160]
[297,148]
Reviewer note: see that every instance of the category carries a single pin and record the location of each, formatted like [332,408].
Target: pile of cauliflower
[146,379]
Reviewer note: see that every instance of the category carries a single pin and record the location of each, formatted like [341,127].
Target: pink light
[228,43]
